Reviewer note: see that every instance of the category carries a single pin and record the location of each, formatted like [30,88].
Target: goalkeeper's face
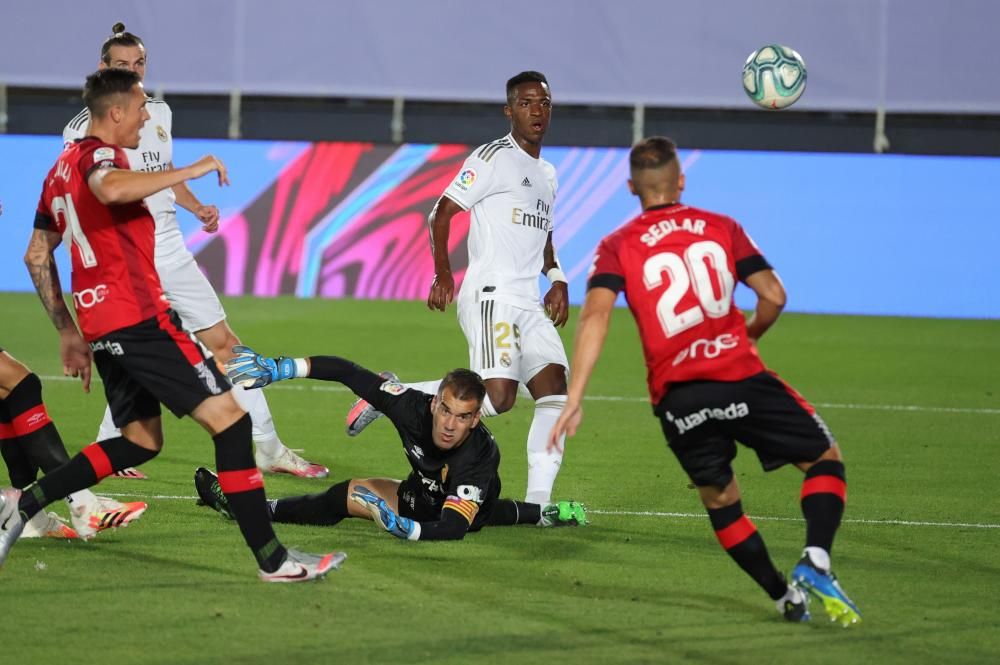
[453,419]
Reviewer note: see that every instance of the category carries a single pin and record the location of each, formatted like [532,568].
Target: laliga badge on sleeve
[465,179]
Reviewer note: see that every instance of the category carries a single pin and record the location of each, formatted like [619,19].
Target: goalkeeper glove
[252,370]
[384,516]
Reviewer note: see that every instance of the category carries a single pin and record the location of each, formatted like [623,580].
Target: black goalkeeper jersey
[468,473]
[448,491]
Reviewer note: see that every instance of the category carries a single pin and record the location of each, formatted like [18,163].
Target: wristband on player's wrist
[290,368]
[556,275]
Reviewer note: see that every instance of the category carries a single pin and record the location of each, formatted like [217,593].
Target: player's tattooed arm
[41,265]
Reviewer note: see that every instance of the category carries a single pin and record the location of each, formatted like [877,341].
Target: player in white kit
[510,329]
[189,292]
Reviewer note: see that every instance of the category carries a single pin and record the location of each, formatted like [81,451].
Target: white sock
[79,501]
[265,437]
[793,594]
[543,466]
[819,556]
[107,430]
[429,387]
[487,409]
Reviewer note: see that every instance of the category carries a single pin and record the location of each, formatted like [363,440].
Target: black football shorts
[151,363]
[703,420]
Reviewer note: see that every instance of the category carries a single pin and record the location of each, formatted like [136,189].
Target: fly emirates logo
[540,218]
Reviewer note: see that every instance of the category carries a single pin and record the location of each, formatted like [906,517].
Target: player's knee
[147,434]
[502,399]
[218,413]
[550,381]
[12,373]
[716,487]
[832,454]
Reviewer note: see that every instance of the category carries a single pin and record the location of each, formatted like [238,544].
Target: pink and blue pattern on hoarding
[852,234]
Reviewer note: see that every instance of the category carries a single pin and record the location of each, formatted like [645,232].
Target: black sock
[243,486]
[28,438]
[739,537]
[508,512]
[93,463]
[824,493]
[19,467]
[325,508]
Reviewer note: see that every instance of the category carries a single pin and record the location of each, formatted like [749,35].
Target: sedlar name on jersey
[540,218]
[662,229]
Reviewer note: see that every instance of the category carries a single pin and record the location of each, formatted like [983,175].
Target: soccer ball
[774,77]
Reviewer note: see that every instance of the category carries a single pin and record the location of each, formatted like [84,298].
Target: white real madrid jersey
[155,153]
[510,195]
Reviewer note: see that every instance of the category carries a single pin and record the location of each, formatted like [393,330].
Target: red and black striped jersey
[114,279]
[677,266]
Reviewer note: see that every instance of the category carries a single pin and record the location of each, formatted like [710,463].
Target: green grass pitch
[915,404]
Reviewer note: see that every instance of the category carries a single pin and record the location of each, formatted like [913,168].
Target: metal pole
[3,108]
[881,142]
[235,101]
[397,124]
[638,122]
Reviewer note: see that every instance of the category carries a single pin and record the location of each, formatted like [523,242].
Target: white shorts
[190,294]
[509,342]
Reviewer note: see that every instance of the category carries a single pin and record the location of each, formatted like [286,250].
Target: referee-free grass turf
[915,404]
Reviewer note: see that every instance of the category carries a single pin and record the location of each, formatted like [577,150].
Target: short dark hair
[118,38]
[464,384]
[652,153]
[529,76]
[104,84]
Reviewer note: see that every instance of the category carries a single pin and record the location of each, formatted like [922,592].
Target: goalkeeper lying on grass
[454,487]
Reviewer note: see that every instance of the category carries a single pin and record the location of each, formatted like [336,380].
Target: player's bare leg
[500,395]
[385,488]
[548,388]
[739,537]
[272,455]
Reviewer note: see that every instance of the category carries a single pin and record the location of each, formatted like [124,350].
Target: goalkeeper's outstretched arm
[334,368]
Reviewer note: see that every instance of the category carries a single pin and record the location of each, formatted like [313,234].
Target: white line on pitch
[649,513]
[653,513]
[613,398]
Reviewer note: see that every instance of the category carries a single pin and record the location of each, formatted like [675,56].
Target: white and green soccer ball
[774,77]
